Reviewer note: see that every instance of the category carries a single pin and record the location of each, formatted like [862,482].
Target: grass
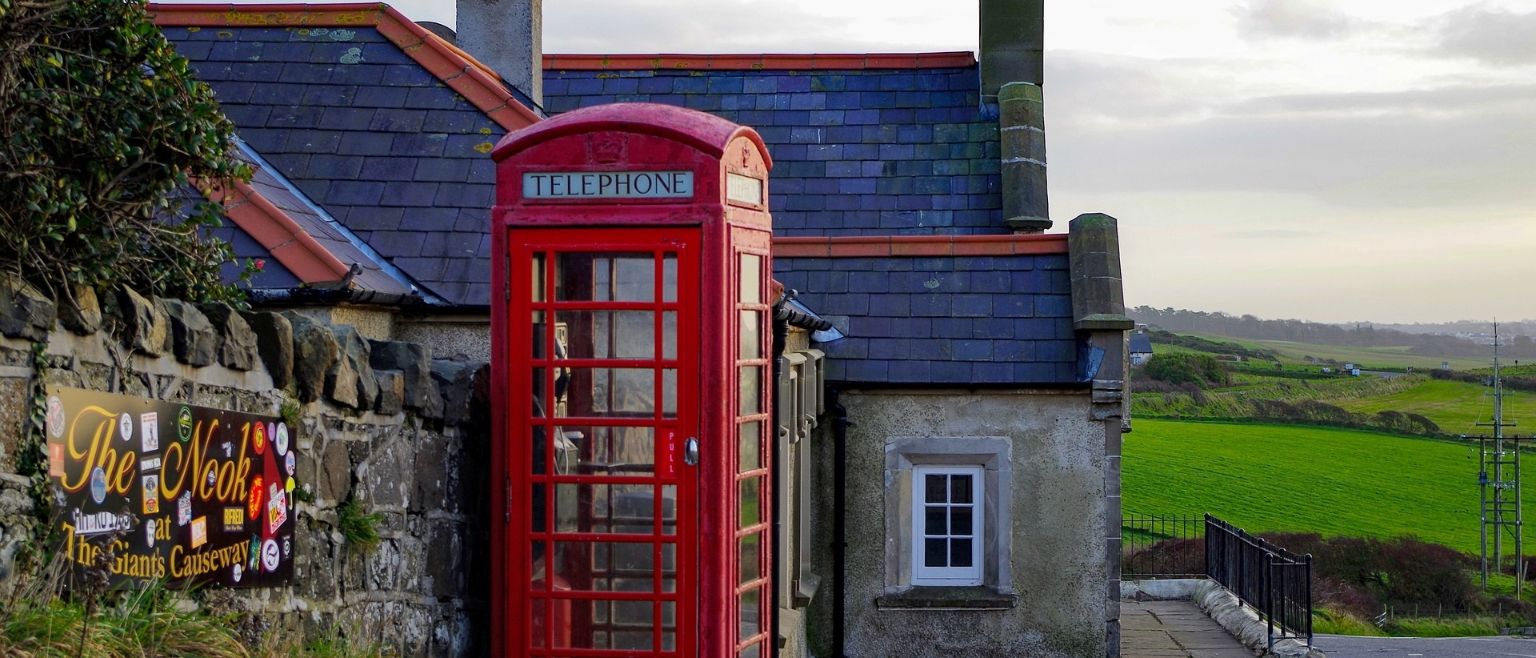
[147,622]
[1335,622]
[1228,402]
[357,526]
[141,623]
[39,622]
[1456,627]
[1367,357]
[1455,406]
[1336,482]
[1508,369]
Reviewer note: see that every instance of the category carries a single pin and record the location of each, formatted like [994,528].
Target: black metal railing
[1161,546]
[1275,581]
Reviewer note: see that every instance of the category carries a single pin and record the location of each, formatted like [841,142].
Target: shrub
[104,126]
[1346,598]
[1198,369]
[1170,556]
[1327,414]
[1390,571]
[1405,423]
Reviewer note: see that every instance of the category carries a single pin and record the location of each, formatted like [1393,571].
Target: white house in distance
[1141,349]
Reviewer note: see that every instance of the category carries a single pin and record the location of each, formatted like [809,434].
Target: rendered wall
[382,423]
[459,335]
[1057,509]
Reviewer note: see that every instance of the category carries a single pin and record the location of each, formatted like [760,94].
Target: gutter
[326,296]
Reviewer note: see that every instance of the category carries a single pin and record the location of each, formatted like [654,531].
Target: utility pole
[1500,459]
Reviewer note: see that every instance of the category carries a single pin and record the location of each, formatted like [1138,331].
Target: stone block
[237,348]
[351,381]
[390,475]
[148,330]
[334,481]
[315,353]
[24,311]
[455,379]
[274,342]
[445,572]
[82,313]
[193,339]
[14,400]
[391,398]
[412,361]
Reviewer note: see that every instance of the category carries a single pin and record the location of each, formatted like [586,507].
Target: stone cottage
[950,408]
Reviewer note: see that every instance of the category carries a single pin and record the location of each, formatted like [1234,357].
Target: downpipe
[840,426]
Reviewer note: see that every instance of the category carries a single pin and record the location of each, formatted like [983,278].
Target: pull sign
[666,462]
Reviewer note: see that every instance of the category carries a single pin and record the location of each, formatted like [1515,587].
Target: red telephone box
[631,335]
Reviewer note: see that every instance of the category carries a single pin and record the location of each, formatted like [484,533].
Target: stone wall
[1048,597]
[382,424]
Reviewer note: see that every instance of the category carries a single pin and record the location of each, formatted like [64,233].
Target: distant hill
[1363,335]
[1463,327]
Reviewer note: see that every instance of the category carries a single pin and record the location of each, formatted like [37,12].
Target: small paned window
[947,516]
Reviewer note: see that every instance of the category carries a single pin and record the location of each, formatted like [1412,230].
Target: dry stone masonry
[381,424]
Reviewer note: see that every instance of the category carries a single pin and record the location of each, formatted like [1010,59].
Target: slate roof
[876,146]
[1141,343]
[856,151]
[980,319]
[367,270]
[387,146]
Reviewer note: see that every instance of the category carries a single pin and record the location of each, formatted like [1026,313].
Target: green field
[1295,478]
[1366,357]
[1455,406]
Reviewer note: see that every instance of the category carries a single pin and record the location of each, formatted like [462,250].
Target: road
[1344,646]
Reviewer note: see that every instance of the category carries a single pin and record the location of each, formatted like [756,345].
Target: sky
[1330,160]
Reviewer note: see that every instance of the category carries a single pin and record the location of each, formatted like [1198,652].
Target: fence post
[1309,600]
[1209,552]
[1269,607]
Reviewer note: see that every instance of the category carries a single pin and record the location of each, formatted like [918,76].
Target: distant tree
[102,124]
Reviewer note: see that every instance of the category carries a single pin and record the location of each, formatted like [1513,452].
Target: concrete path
[1173,629]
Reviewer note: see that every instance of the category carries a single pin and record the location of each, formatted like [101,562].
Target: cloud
[1120,90]
[1463,99]
[734,26]
[1383,162]
[1489,35]
[1272,234]
[1307,19]
[1143,125]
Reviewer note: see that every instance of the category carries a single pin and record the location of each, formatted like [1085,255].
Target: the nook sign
[188,495]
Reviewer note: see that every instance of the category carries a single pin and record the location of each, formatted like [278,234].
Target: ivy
[32,457]
[104,129]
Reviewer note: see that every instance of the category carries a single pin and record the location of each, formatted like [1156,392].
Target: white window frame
[923,575]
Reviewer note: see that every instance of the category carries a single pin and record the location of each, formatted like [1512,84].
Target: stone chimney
[508,36]
[1013,76]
